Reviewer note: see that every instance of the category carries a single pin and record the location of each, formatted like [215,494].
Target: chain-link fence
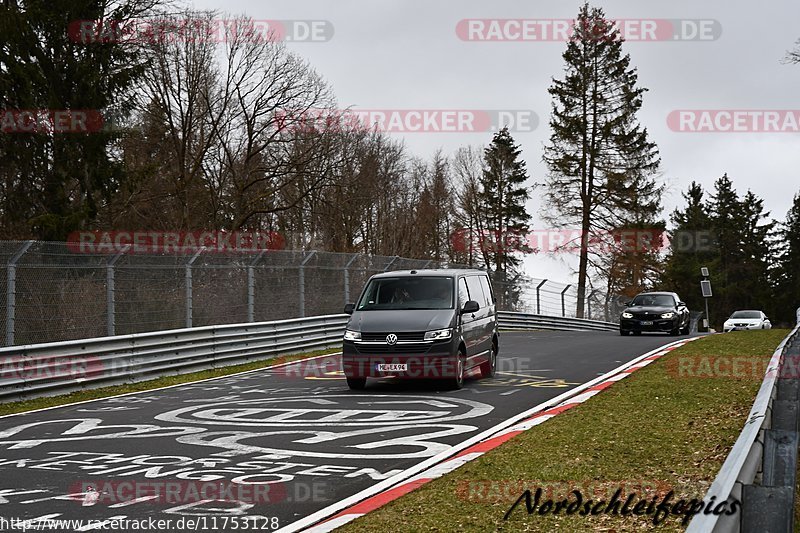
[52,293]
[547,297]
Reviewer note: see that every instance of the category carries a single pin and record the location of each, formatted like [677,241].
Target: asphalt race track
[274,445]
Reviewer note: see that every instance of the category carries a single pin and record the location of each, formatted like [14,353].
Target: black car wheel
[624,332]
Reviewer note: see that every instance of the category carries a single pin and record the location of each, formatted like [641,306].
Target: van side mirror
[681,304]
[470,307]
[349,308]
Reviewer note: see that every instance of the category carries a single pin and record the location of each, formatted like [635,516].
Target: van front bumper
[434,361]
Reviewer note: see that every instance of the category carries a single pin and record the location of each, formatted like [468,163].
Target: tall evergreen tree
[691,248]
[502,199]
[597,153]
[753,273]
[728,228]
[56,182]
[787,283]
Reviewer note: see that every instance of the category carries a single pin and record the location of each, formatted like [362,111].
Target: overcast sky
[406,54]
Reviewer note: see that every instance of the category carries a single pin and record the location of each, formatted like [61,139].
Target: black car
[426,324]
[655,311]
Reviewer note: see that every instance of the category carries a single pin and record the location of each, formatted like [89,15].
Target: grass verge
[166,381]
[668,426]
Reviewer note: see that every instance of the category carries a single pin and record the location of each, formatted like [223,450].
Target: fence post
[563,308]
[189,306]
[395,258]
[111,323]
[302,275]
[251,287]
[347,279]
[589,303]
[11,291]
[538,301]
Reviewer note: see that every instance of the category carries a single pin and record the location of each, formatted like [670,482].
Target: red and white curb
[497,436]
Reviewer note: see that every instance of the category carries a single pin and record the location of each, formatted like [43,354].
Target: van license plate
[647,322]
[392,368]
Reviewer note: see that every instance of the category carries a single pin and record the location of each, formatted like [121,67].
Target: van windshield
[408,293]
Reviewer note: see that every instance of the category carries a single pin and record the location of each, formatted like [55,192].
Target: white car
[747,320]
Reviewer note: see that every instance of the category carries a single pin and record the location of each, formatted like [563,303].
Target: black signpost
[705,286]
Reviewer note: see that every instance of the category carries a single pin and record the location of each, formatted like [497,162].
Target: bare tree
[228,107]
[469,224]
[267,159]
[168,153]
[793,56]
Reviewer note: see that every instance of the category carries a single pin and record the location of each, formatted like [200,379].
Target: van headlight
[627,315]
[438,335]
[668,315]
[350,335]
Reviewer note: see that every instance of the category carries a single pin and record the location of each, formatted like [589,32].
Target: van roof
[441,272]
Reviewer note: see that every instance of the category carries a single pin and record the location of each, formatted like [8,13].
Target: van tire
[357,383]
[489,368]
[456,382]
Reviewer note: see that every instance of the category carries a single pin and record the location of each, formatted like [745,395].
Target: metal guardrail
[34,370]
[57,368]
[753,455]
[509,320]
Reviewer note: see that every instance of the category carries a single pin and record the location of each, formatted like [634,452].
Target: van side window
[463,293]
[475,291]
[487,290]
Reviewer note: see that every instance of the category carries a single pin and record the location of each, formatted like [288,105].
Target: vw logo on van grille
[391,338]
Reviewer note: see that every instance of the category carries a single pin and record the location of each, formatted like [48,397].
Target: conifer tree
[597,153]
[691,248]
[787,283]
[502,199]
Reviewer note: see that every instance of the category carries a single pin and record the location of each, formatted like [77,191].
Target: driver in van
[400,295]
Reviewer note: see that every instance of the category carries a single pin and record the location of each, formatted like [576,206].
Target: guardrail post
[770,506]
[111,323]
[189,296]
[563,308]
[538,301]
[302,283]
[251,287]
[11,292]
[347,279]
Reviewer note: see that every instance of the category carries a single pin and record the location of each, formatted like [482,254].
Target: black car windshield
[408,293]
[654,300]
[746,314]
